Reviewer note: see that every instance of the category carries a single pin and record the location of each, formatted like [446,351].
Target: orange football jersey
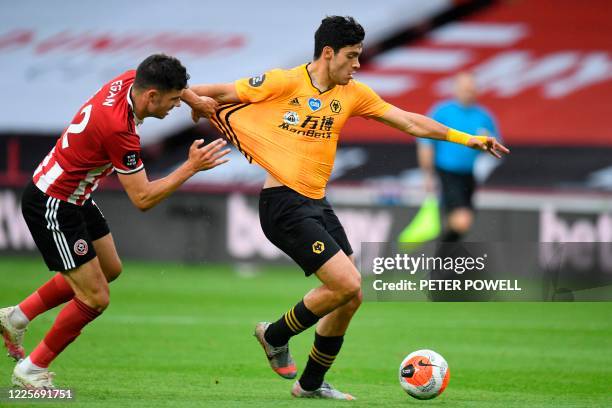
[290,128]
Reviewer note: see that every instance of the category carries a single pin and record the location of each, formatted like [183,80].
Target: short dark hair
[337,32]
[161,72]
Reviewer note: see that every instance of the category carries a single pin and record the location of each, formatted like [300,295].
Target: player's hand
[205,107]
[490,145]
[205,157]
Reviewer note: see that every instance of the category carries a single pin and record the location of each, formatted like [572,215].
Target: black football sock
[322,356]
[295,321]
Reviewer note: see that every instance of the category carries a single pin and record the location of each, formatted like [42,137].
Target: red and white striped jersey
[101,138]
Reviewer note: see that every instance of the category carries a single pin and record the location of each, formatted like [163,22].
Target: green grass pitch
[180,336]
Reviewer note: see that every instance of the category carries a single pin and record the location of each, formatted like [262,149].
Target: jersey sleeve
[368,103]
[124,152]
[266,86]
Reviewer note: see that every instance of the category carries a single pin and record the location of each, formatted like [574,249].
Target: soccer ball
[424,374]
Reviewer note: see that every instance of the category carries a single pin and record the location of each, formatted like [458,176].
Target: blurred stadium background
[545,71]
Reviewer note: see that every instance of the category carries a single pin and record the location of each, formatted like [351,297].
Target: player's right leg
[91,299]
[341,283]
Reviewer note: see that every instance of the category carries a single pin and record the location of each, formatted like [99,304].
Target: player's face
[161,103]
[345,63]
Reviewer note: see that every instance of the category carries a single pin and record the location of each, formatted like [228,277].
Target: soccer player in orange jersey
[288,121]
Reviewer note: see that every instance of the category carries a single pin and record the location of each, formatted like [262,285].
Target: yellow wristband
[459,137]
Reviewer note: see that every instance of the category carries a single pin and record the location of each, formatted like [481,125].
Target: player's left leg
[108,256]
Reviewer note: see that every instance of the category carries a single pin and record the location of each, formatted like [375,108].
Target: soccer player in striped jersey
[67,226]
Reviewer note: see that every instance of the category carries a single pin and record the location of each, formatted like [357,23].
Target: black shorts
[457,189]
[304,228]
[63,232]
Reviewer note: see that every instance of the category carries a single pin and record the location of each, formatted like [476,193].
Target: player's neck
[319,76]
[138,111]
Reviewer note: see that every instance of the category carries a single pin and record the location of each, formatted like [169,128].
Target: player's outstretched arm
[422,126]
[205,98]
[146,194]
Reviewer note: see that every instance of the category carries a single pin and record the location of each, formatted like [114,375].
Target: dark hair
[161,72]
[337,32]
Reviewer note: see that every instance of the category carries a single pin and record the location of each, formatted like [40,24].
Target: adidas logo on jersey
[294,102]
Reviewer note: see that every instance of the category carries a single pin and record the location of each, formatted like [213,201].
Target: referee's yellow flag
[425,226]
